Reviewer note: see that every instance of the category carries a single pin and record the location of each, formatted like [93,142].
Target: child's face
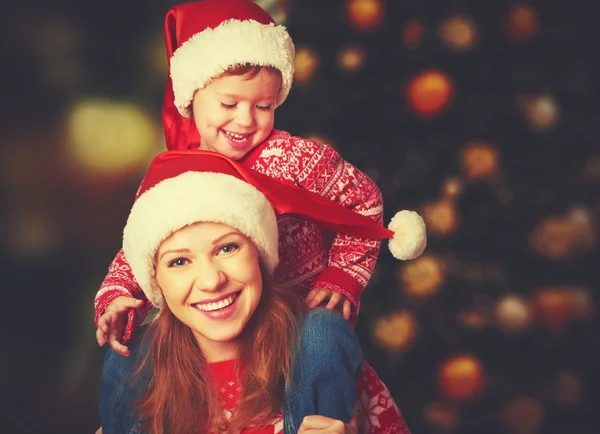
[234,114]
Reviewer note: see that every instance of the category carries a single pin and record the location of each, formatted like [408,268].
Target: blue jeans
[326,364]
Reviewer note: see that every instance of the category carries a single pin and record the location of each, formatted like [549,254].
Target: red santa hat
[186,187]
[204,39]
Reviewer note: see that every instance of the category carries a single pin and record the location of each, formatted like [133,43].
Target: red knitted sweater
[376,411]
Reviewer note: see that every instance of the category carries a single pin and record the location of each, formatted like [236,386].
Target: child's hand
[322,424]
[316,296]
[112,323]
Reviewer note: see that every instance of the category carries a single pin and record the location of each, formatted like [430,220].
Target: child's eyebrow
[234,96]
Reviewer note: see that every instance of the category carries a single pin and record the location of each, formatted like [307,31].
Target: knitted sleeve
[120,282]
[319,168]
[377,413]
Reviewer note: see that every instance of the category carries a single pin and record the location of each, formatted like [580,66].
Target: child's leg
[117,392]
[326,364]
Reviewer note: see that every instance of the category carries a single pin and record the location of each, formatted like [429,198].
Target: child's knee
[115,366]
[326,334]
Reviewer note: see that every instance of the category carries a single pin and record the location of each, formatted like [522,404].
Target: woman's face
[210,278]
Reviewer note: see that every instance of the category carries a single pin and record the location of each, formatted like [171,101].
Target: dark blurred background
[481,115]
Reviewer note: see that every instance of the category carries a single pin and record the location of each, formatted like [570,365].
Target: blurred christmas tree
[482,118]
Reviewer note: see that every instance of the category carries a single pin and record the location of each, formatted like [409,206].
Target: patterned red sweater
[377,412]
[310,256]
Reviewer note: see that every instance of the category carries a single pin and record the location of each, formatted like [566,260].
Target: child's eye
[229,248]
[179,262]
[265,107]
[228,106]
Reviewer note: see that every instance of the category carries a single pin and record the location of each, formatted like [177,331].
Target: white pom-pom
[410,235]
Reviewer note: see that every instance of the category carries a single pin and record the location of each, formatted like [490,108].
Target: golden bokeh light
[278,9]
[111,137]
[422,277]
[351,58]
[429,92]
[365,15]
[452,187]
[585,234]
[395,331]
[461,377]
[552,307]
[459,33]
[541,111]
[321,138]
[441,217]
[522,23]
[479,160]
[306,64]
[442,415]
[513,313]
[553,237]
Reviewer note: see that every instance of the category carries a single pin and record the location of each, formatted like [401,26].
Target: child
[230,66]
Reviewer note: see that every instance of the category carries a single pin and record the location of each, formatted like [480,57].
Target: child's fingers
[105,321]
[122,304]
[114,343]
[347,309]
[100,337]
[321,295]
[311,295]
[334,300]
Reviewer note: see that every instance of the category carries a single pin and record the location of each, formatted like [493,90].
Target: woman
[217,357]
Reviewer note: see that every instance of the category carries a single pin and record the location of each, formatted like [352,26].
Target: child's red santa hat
[186,187]
[205,38]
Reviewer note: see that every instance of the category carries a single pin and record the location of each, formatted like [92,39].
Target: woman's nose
[209,277]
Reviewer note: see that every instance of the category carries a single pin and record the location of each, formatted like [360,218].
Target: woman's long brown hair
[181,398]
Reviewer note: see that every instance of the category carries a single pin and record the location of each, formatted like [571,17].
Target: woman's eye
[228,248]
[179,262]
[228,106]
[265,107]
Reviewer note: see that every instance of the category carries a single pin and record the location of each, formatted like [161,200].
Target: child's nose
[245,117]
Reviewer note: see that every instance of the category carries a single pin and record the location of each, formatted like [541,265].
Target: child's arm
[119,282]
[321,169]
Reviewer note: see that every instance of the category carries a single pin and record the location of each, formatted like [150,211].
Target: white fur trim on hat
[190,198]
[212,51]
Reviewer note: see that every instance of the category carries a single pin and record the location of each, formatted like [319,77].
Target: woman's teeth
[209,307]
[236,137]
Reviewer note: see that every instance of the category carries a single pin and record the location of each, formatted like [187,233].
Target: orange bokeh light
[430,92]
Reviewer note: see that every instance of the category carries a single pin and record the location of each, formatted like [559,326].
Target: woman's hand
[322,424]
[112,323]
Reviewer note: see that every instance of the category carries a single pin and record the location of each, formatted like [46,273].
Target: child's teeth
[235,136]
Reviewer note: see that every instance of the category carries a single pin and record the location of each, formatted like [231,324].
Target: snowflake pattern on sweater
[377,412]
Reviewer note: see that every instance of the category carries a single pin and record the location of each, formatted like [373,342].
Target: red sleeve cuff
[338,280]
[105,299]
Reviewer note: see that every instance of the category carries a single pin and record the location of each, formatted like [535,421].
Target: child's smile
[234,114]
